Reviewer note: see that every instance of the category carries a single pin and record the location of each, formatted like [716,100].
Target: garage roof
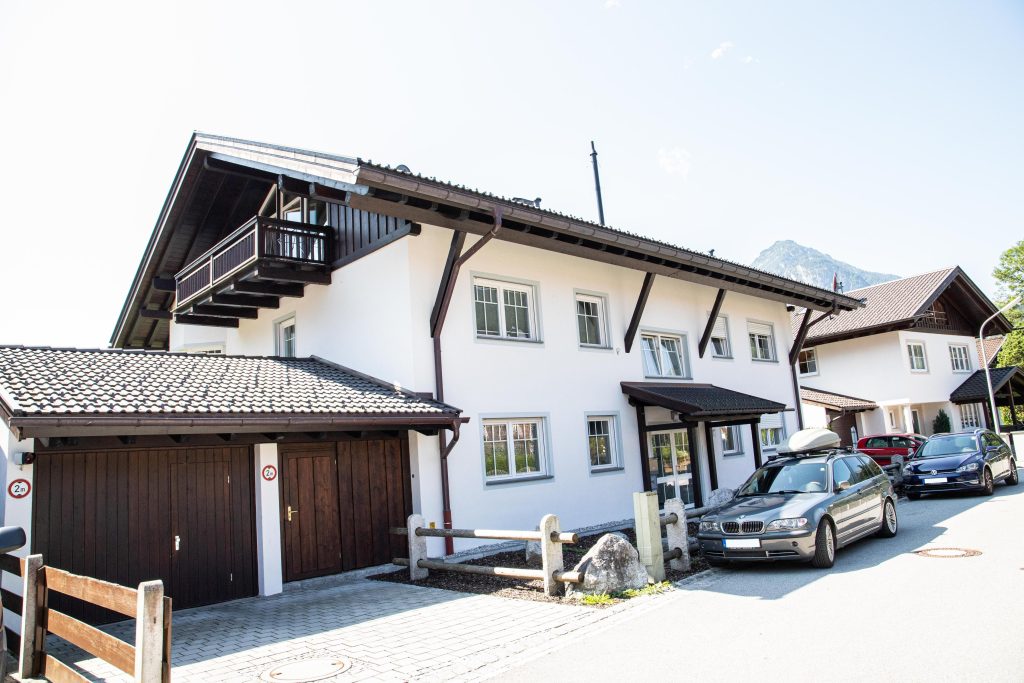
[46,391]
[834,401]
[974,389]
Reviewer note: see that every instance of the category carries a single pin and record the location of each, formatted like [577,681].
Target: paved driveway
[882,613]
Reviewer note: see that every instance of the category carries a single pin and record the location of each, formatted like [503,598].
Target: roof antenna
[597,183]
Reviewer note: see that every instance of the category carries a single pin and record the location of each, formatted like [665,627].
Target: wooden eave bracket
[706,336]
[638,311]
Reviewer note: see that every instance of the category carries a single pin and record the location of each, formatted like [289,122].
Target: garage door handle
[177,542]
[291,512]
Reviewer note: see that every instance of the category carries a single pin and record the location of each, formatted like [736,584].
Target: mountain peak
[806,264]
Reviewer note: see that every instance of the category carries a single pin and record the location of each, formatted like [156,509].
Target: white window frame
[770,422]
[684,354]
[279,327]
[737,437]
[773,352]
[614,442]
[972,416]
[212,349]
[966,358]
[503,286]
[543,448]
[910,356]
[809,373]
[728,355]
[601,301]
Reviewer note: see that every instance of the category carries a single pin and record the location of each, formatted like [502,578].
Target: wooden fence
[648,524]
[550,538]
[148,660]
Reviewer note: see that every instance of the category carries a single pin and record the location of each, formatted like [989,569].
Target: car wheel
[824,546]
[890,523]
[1014,477]
[988,486]
[913,496]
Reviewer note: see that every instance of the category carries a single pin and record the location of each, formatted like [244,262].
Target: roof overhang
[370,187]
[37,426]
[1005,380]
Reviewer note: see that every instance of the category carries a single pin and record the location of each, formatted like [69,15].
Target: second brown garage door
[338,501]
[183,515]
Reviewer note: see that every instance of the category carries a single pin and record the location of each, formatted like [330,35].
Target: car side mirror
[842,486]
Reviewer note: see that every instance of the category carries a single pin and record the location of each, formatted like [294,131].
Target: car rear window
[877,442]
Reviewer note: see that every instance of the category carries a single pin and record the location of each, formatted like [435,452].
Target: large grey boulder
[720,497]
[533,554]
[610,566]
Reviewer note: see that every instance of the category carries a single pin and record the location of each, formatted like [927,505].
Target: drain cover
[947,552]
[306,670]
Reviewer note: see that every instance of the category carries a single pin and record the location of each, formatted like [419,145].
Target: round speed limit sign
[19,488]
[270,473]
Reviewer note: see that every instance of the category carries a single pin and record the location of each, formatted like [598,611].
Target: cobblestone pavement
[388,631]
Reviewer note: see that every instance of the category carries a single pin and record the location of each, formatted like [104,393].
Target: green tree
[941,423]
[1010,276]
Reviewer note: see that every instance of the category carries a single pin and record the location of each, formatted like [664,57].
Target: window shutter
[719,330]
[773,420]
[759,328]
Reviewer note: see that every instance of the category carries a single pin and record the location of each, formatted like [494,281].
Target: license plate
[741,542]
[935,480]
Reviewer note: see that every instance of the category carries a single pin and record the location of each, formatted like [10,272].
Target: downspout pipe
[445,297]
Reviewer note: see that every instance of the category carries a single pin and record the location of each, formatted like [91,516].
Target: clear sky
[887,134]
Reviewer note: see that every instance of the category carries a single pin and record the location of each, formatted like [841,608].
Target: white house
[892,365]
[529,363]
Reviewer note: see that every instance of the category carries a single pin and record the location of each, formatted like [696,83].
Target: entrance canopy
[1007,384]
[701,402]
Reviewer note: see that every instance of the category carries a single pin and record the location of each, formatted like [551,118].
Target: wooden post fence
[674,520]
[552,571]
[648,533]
[148,660]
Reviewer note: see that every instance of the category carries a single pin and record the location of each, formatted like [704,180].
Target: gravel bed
[522,589]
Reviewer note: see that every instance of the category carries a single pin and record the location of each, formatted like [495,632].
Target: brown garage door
[338,501]
[183,515]
[845,425]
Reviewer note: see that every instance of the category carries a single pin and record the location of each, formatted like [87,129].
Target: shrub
[941,422]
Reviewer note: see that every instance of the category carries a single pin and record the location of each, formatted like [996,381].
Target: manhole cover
[947,552]
[307,670]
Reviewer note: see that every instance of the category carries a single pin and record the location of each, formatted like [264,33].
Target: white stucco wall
[374,318]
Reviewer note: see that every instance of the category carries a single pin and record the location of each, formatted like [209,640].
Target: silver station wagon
[804,505]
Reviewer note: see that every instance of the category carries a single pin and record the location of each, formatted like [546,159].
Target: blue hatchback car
[966,461]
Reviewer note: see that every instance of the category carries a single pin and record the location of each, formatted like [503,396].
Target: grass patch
[597,599]
[649,589]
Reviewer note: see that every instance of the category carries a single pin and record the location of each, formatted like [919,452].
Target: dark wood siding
[842,424]
[359,488]
[115,515]
[361,232]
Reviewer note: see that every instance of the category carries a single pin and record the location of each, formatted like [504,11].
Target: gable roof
[900,304]
[988,350]
[45,391]
[363,185]
[834,401]
[700,400]
[974,389]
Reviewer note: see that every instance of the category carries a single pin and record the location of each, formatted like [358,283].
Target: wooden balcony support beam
[246,300]
[278,274]
[189,319]
[216,311]
[267,288]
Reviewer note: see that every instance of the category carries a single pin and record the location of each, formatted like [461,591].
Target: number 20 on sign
[269,473]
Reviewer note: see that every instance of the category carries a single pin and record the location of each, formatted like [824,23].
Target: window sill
[609,469]
[511,340]
[661,377]
[594,347]
[714,357]
[765,360]
[807,374]
[733,454]
[518,480]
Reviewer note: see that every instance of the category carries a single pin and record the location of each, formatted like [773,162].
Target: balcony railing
[257,241]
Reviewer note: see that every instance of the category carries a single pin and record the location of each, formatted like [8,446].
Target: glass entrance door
[671,466]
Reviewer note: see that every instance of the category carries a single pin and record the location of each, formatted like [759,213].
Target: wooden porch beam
[709,443]
[638,311]
[757,444]
[645,463]
[156,315]
[164,284]
[715,309]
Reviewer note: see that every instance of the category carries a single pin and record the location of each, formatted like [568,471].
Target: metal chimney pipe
[597,183]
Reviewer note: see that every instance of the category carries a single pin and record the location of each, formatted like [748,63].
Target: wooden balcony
[252,268]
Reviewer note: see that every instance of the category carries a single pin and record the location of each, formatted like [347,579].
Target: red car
[881,447]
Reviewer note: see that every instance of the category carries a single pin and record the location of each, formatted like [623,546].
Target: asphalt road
[881,613]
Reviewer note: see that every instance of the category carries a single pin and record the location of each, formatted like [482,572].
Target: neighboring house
[589,362]
[904,354]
